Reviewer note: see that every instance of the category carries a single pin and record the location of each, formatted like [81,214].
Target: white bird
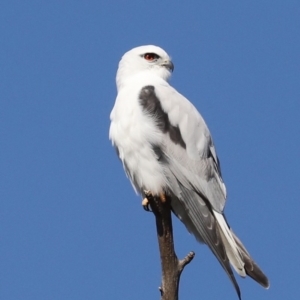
[166,148]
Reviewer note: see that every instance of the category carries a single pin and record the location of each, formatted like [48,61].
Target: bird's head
[144,59]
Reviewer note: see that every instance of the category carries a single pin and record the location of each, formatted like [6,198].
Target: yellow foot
[145,202]
[148,194]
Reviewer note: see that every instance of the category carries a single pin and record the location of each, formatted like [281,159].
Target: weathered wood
[171,266]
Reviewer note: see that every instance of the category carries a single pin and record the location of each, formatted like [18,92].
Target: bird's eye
[151,56]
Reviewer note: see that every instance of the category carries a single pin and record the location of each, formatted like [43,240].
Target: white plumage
[166,147]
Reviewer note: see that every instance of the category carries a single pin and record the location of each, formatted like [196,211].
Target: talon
[145,202]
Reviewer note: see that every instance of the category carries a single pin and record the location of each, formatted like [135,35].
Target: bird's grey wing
[190,147]
[195,211]
[190,165]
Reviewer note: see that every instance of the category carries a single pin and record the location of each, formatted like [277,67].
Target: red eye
[151,56]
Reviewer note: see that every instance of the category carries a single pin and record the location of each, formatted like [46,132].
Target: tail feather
[252,269]
[231,247]
[211,228]
[238,256]
[199,220]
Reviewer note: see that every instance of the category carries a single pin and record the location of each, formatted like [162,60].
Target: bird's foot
[145,203]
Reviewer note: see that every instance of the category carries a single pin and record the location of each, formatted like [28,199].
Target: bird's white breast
[134,134]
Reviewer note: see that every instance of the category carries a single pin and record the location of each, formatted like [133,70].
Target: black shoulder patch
[151,105]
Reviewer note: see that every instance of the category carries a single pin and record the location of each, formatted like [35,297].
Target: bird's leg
[145,202]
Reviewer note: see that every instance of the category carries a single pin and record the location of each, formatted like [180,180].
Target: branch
[171,266]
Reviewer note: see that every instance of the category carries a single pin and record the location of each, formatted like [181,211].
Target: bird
[166,148]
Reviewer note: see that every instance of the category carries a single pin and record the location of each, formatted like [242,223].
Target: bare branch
[171,266]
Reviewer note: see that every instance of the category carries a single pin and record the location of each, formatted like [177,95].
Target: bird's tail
[238,256]
[252,269]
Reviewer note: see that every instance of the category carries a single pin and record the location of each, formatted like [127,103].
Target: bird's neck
[145,76]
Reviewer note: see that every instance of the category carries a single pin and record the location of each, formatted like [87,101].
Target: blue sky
[71,226]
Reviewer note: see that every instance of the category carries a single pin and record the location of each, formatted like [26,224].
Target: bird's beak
[168,64]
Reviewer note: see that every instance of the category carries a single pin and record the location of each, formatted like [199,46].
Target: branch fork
[172,267]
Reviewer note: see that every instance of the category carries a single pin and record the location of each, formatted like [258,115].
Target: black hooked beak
[169,65]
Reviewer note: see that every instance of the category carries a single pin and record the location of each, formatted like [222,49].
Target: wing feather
[195,182]
[198,164]
[194,210]
[198,219]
